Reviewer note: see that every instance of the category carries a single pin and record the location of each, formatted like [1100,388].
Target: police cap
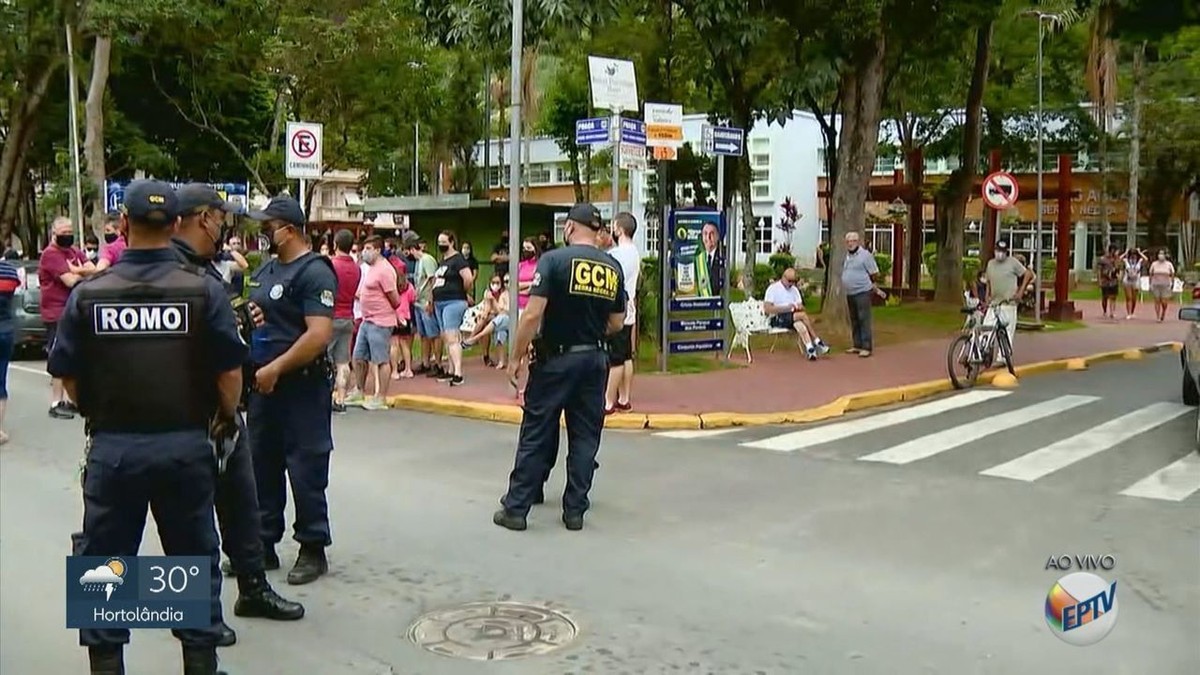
[195,197]
[281,208]
[585,214]
[152,202]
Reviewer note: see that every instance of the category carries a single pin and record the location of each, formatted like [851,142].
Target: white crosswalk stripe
[1066,452]
[1071,430]
[928,446]
[837,431]
[1174,482]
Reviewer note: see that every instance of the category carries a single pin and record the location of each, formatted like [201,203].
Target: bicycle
[975,348]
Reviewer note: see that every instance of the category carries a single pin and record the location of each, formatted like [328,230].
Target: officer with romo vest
[576,300]
[291,408]
[201,234]
[150,426]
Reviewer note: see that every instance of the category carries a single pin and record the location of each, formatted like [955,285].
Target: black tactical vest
[145,367]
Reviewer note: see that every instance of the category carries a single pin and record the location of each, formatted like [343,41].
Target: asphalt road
[703,555]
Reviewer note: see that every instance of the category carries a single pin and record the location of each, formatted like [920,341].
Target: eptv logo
[1081,608]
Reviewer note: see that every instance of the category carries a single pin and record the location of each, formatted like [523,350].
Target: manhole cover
[492,631]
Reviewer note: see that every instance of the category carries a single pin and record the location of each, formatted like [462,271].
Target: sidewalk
[784,387]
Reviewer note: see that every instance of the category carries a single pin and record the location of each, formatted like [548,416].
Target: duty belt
[560,350]
[320,368]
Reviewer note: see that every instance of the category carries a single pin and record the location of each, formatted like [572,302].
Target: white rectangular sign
[664,125]
[614,84]
[305,142]
[633,157]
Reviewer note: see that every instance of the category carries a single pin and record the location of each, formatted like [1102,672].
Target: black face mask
[110,237]
[443,247]
[526,255]
[65,240]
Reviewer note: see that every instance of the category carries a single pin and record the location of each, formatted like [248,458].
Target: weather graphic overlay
[139,592]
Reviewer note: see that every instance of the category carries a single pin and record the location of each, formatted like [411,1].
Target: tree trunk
[22,125]
[1105,225]
[576,182]
[1135,147]
[949,281]
[862,91]
[93,140]
[743,119]
[277,120]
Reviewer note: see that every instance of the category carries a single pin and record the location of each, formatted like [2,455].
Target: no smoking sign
[1000,190]
[303,159]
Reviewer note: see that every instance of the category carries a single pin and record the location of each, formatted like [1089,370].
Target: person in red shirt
[114,243]
[349,274]
[61,266]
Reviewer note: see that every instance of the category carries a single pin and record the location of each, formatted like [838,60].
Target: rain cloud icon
[105,577]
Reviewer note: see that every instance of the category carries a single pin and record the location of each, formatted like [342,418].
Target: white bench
[749,318]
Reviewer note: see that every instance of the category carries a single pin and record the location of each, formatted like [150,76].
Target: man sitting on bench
[785,309]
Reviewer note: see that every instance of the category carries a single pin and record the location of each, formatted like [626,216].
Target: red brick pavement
[785,381]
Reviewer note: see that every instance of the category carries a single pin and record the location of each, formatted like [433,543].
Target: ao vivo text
[1081,562]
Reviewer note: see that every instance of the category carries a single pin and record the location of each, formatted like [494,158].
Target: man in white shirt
[784,308]
[621,351]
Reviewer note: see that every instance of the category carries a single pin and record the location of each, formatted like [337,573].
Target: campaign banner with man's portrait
[699,271]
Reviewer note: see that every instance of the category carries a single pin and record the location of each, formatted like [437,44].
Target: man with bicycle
[1006,280]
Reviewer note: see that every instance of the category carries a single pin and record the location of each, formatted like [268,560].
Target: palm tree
[1101,77]
[531,99]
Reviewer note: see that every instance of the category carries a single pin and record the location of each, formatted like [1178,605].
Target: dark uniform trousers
[237,509]
[572,383]
[290,430]
[173,473]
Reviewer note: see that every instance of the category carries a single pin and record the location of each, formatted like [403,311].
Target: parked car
[1190,357]
[31,332]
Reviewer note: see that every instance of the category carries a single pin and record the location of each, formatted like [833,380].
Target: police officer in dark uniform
[576,300]
[292,405]
[200,236]
[149,349]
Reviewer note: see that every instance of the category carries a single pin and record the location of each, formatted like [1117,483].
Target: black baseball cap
[195,197]
[410,239]
[585,214]
[152,202]
[1002,245]
[281,208]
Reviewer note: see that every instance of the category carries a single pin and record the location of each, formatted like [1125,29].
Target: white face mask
[370,257]
[495,288]
[1001,255]
[1162,256]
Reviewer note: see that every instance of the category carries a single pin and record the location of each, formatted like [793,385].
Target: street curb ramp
[511,414]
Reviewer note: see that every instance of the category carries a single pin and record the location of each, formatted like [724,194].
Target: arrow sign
[728,141]
[592,131]
[1000,190]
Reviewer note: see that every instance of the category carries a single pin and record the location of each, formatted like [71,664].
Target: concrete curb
[511,414]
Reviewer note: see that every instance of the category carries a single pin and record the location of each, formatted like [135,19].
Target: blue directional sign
[114,192]
[691,346]
[698,326]
[592,131]
[633,131]
[728,141]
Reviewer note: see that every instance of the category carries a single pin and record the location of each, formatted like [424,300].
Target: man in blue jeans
[428,328]
[859,276]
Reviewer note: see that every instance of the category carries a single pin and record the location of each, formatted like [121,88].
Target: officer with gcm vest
[150,351]
[292,404]
[576,300]
[201,234]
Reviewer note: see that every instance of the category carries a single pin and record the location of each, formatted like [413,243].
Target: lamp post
[514,173]
[76,207]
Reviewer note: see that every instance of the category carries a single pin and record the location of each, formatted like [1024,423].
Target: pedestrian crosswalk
[1149,448]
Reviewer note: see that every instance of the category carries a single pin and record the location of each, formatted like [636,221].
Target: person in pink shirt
[60,267]
[114,244]
[530,252]
[402,335]
[379,297]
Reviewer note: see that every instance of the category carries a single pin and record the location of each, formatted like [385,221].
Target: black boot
[507,519]
[256,598]
[310,565]
[200,661]
[106,660]
[227,637]
[270,562]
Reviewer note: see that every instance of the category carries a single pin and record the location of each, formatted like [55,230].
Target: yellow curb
[625,421]
[664,421]
[873,399]
[1003,380]
[511,414]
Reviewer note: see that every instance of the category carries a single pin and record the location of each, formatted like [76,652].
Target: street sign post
[1000,190]
[632,145]
[592,131]
[723,142]
[614,86]
[304,155]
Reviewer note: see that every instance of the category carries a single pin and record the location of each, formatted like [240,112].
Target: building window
[494,174]
[653,229]
[764,233]
[759,145]
[762,191]
[761,161]
[541,174]
[760,176]
[821,168]
[885,164]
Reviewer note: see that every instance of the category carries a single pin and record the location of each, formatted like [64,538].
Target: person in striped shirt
[10,281]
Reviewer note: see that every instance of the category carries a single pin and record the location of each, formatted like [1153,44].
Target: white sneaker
[374,404]
[812,353]
[822,348]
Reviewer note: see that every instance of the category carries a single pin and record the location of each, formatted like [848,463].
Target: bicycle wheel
[1005,350]
[959,357]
